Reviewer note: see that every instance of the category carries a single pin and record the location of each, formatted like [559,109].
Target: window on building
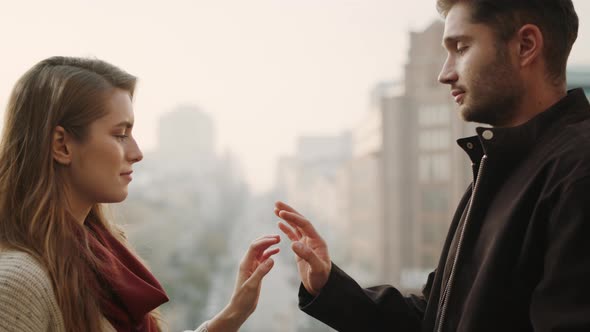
[435,200]
[434,139]
[434,167]
[433,115]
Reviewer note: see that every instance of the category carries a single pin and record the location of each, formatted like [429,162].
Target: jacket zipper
[449,286]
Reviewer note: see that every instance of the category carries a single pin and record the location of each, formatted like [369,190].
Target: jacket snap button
[488,134]
[470,145]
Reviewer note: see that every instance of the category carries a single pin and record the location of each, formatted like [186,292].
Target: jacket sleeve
[561,299]
[345,306]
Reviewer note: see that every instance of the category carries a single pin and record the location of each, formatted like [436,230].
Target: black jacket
[524,262]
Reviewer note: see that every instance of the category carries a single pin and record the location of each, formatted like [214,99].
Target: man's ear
[61,146]
[531,43]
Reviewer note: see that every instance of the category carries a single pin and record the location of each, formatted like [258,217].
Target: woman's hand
[254,266]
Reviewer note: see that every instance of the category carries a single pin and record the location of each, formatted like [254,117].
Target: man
[517,255]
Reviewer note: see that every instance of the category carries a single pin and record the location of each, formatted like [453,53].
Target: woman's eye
[122,137]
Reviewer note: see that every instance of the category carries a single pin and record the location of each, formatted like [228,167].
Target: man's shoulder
[567,151]
[572,139]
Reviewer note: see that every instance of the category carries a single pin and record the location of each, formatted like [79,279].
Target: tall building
[424,173]
[185,168]
[362,176]
[186,128]
[442,170]
[309,179]
[187,140]
[396,191]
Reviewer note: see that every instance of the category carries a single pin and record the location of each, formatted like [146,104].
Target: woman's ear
[60,146]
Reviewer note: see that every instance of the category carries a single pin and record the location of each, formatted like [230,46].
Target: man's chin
[466,113]
[469,116]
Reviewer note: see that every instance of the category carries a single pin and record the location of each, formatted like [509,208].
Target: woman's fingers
[247,291]
[268,253]
[257,252]
[257,248]
[256,278]
[259,245]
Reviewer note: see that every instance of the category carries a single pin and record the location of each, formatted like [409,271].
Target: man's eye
[461,49]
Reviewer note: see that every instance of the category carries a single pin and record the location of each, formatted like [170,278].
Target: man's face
[484,82]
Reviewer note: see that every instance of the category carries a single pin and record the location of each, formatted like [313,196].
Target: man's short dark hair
[556,19]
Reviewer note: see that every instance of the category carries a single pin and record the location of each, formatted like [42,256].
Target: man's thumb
[308,255]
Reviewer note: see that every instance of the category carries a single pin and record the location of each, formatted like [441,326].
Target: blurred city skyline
[266,71]
[336,100]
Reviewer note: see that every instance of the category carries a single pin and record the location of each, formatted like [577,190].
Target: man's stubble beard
[494,93]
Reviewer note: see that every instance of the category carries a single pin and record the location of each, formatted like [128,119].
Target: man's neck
[534,102]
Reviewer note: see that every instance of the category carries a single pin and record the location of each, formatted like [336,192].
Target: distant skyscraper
[311,180]
[187,128]
[442,171]
[317,159]
[186,140]
[424,173]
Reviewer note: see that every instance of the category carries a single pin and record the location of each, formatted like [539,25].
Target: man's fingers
[308,255]
[283,206]
[291,234]
[298,232]
[297,221]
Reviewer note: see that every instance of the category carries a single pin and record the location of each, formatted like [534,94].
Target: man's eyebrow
[457,38]
[125,124]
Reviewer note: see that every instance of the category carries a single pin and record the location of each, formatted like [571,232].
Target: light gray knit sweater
[27,301]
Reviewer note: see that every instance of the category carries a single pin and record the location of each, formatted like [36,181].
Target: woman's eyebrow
[125,124]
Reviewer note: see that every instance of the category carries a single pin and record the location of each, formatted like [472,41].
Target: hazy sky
[266,71]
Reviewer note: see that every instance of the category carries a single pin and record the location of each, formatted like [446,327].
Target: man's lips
[457,94]
[127,173]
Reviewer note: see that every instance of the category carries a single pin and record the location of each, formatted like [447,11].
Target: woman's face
[101,164]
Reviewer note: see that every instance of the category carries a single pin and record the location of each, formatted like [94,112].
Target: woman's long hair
[69,92]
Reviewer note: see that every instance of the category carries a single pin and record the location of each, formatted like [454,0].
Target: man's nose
[447,75]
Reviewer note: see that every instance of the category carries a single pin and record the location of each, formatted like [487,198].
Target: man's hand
[311,251]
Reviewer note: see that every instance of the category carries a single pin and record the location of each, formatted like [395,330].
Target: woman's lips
[127,175]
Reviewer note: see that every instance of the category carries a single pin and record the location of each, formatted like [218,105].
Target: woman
[67,147]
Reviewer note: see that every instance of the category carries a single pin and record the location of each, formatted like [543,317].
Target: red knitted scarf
[134,291]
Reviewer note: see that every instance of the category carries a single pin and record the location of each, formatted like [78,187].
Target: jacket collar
[514,142]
